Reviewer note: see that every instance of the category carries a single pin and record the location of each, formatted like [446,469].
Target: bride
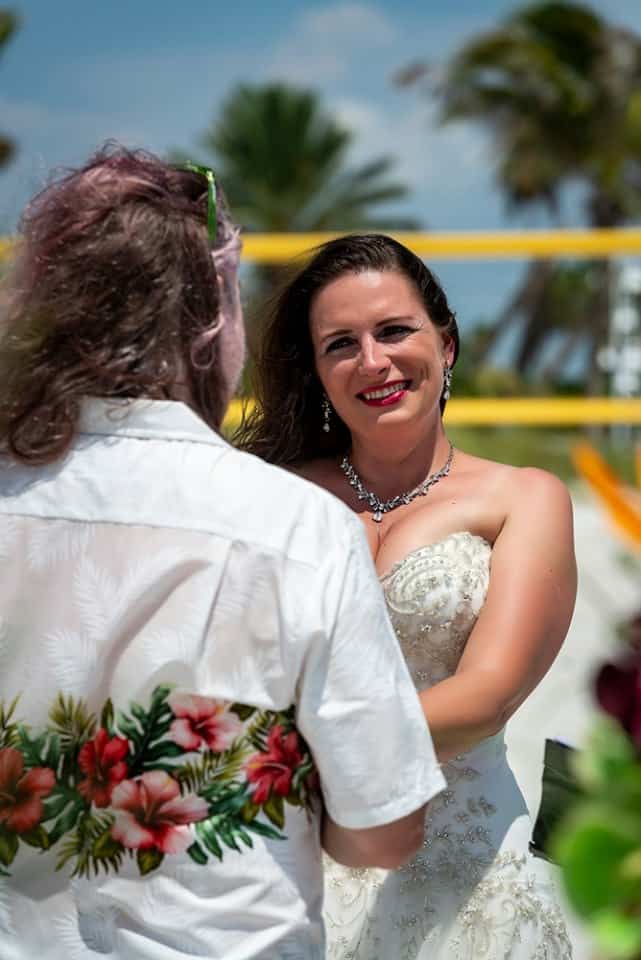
[476,562]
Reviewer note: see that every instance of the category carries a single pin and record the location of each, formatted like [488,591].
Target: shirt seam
[219,442]
[274,551]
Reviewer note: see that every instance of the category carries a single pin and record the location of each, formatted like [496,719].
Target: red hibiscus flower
[102,760]
[21,793]
[202,720]
[618,689]
[150,813]
[274,770]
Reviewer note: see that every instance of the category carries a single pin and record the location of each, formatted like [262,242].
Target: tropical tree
[284,162]
[559,88]
[8,25]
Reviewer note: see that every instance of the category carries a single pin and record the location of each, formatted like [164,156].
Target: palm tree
[559,88]
[8,25]
[283,160]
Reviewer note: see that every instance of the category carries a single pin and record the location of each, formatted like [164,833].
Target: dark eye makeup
[391,331]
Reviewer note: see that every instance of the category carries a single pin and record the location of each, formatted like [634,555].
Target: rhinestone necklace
[381,507]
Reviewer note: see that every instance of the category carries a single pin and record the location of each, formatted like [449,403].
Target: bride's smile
[377,353]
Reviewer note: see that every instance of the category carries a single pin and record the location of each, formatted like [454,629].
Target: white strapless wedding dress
[473,892]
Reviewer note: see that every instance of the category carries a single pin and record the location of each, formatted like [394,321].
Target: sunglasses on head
[208,174]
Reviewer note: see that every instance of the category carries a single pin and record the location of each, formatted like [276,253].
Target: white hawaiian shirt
[194,652]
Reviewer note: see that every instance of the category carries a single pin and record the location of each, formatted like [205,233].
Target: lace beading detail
[434,596]
[467,895]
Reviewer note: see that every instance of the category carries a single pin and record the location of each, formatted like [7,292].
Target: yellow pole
[499,244]
[520,411]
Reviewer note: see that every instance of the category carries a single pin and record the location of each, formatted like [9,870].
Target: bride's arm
[523,622]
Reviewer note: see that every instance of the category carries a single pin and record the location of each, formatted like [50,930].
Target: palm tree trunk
[522,304]
[552,370]
[600,309]
[605,213]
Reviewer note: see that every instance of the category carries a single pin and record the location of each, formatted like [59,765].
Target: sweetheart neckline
[430,546]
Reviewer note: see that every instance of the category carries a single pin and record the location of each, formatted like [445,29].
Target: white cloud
[360,23]
[24,118]
[325,43]
[429,157]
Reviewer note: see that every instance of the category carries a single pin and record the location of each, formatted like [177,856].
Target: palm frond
[91,848]
[196,776]
[9,731]
[72,721]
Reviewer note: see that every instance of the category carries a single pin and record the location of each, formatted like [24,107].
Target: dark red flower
[618,690]
[102,760]
[274,769]
[21,793]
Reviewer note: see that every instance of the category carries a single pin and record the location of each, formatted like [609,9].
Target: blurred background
[405,116]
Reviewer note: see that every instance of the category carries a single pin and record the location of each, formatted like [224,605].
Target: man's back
[175,633]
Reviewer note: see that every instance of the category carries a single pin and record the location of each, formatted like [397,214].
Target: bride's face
[377,353]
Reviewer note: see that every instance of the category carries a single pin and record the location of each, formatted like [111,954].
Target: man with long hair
[198,680]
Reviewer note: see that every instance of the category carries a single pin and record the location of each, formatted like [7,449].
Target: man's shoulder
[282,504]
[208,488]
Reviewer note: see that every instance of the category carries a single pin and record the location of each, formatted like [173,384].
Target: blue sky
[154,74]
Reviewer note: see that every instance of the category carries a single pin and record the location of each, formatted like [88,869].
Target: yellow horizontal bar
[543,411]
[522,411]
[278,247]
[499,244]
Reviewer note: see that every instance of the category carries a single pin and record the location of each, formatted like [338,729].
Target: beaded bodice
[472,892]
[434,596]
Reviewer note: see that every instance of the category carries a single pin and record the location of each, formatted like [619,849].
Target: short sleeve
[357,706]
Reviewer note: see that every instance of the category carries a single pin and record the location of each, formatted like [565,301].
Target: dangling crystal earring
[326,407]
[447,381]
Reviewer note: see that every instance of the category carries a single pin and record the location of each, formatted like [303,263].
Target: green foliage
[283,160]
[9,732]
[9,23]
[64,806]
[146,729]
[76,810]
[90,847]
[72,721]
[195,776]
[598,845]
[556,86]
[537,447]
[259,728]
[148,860]
[283,163]
[232,821]
[242,711]
[8,847]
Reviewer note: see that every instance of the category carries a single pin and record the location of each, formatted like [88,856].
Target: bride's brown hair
[285,426]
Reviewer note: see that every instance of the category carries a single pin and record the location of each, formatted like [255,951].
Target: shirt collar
[168,419]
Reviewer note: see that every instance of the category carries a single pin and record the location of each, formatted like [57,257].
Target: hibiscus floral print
[21,791]
[187,774]
[275,769]
[103,761]
[201,721]
[150,813]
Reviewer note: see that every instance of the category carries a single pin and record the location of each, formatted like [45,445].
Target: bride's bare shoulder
[515,488]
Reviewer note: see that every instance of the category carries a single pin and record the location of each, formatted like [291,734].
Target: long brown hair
[285,425]
[113,293]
